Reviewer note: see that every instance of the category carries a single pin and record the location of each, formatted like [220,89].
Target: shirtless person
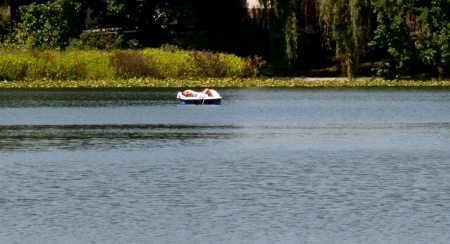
[205,93]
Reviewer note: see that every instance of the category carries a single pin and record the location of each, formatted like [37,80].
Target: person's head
[187,93]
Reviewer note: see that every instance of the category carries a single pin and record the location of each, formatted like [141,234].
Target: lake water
[367,165]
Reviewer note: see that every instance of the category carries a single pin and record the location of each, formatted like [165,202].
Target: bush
[130,64]
[97,39]
[252,66]
[133,43]
[207,63]
[169,60]
[13,65]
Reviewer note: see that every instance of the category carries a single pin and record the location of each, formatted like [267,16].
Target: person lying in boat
[205,93]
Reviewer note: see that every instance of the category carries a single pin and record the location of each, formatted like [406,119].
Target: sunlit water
[267,166]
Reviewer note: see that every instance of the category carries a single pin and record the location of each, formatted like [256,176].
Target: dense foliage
[347,24]
[48,26]
[416,33]
[406,35]
[395,37]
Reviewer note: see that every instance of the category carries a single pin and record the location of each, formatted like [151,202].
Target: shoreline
[226,83]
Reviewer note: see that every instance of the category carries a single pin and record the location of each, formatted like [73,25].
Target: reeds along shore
[167,66]
[167,62]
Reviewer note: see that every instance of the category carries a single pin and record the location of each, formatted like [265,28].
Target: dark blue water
[365,165]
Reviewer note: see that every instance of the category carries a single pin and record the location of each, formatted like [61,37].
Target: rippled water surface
[365,165]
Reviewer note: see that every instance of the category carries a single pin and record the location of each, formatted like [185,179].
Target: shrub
[97,63]
[13,65]
[53,65]
[129,64]
[252,66]
[97,39]
[133,43]
[207,63]
[169,60]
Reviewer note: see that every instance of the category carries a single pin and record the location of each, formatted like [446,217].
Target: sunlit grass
[219,83]
[163,67]
[150,63]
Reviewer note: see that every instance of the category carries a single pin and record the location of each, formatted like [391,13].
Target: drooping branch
[283,25]
[347,24]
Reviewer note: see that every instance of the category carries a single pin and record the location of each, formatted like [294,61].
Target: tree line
[401,35]
[155,19]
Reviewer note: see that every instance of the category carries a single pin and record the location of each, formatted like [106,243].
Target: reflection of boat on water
[216,99]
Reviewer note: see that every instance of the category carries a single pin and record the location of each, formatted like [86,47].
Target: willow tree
[346,24]
[283,26]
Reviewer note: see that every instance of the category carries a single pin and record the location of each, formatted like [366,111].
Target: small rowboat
[216,99]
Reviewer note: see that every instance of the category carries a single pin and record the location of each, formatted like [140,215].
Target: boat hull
[207,101]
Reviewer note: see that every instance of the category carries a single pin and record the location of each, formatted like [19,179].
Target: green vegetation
[159,63]
[346,24]
[220,83]
[390,39]
[397,38]
[417,34]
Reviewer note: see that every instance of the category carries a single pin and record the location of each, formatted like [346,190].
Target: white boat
[216,99]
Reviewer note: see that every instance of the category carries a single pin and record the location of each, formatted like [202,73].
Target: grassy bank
[221,83]
[163,67]
[167,62]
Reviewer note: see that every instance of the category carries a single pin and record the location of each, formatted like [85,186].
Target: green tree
[48,25]
[283,28]
[346,24]
[14,6]
[415,33]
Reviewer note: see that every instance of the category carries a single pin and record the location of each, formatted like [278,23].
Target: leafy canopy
[48,26]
